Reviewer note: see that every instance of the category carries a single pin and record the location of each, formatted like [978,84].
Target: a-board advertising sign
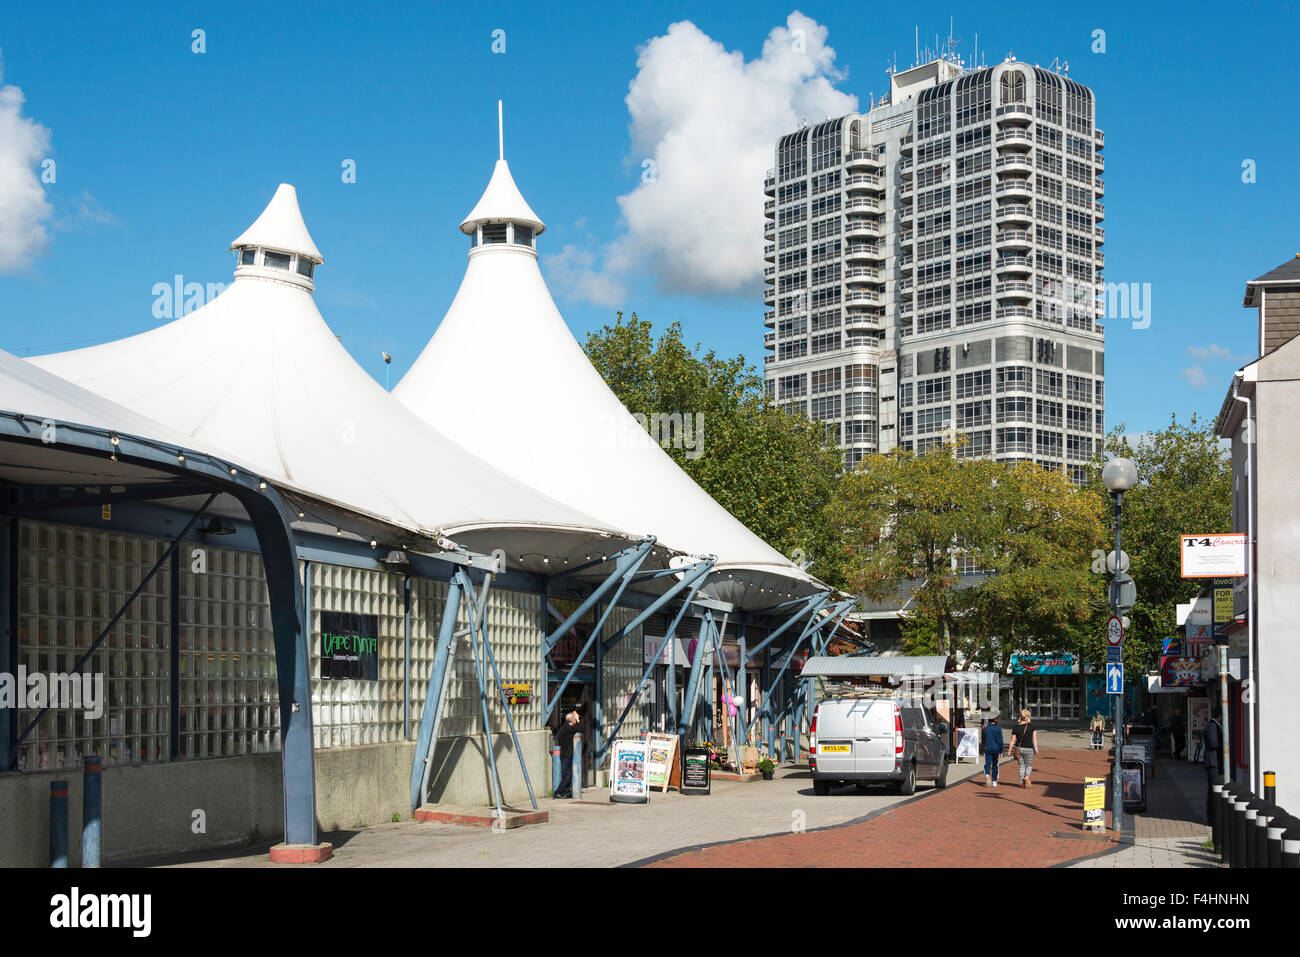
[349,646]
[968,743]
[1200,622]
[1094,803]
[627,773]
[695,771]
[661,753]
[1214,556]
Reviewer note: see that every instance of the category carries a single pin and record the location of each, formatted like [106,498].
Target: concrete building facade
[933,268]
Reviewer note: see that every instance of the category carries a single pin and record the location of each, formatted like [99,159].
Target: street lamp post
[1118,475]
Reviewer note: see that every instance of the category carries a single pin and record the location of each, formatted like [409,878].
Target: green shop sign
[349,646]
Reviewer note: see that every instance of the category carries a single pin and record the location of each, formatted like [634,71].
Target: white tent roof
[257,372]
[502,202]
[545,414]
[281,227]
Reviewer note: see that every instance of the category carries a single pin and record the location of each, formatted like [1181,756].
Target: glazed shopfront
[1050,686]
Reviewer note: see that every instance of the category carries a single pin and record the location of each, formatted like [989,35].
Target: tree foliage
[1184,487]
[905,517]
[772,470]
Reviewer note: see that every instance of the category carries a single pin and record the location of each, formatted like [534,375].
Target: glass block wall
[624,665]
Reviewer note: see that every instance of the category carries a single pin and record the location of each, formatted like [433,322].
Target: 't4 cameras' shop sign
[349,646]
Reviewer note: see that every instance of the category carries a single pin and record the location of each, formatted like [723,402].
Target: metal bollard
[1270,787]
[58,824]
[1239,830]
[92,797]
[1291,845]
[1216,816]
[1276,828]
[1249,817]
[556,770]
[577,767]
[1225,822]
[1265,813]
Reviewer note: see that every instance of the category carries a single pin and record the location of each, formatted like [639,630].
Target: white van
[877,739]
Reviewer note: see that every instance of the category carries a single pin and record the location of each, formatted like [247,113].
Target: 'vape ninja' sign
[349,646]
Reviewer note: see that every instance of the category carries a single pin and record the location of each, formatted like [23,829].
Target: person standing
[565,739]
[991,743]
[1179,734]
[1098,729]
[1212,759]
[1024,743]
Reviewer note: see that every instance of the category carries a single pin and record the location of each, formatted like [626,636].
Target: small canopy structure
[547,416]
[62,446]
[257,372]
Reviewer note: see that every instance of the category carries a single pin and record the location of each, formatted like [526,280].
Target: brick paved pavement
[964,825]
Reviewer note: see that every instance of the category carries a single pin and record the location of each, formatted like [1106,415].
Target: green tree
[907,518]
[772,470]
[1184,487]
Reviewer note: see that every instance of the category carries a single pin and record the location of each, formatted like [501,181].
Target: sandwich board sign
[695,771]
[661,760]
[1094,803]
[627,778]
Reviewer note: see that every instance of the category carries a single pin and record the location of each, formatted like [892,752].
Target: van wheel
[908,784]
[942,780]
[821,787]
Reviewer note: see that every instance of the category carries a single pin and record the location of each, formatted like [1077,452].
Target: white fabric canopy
[546,415]
[258,373]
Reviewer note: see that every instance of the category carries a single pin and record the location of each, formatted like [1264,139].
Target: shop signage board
[349,646]
[1200,622]
[1178,671]
[517,692]
[1043,665]
[695,771]
[661,758]
[1094,803]
[1214,556]
[627,778]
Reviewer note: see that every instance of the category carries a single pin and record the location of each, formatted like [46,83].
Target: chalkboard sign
[695,771]
[349,646]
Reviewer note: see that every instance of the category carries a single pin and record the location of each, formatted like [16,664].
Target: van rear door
[873,733]
[835,732]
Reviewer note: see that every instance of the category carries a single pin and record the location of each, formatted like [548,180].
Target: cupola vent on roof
[277,245]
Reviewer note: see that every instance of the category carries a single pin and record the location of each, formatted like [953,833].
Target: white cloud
[1195,377]
[24,209]
[708,121]
[1212,351]
[573,271]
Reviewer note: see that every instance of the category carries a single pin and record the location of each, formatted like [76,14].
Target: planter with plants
[766,766]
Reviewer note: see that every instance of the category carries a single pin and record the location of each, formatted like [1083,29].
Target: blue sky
[163,156]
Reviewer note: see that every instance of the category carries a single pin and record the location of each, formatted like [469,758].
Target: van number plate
[835,748]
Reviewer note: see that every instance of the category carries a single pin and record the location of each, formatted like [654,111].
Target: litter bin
[1133,775]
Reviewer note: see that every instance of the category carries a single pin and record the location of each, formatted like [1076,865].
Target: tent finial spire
[501,134]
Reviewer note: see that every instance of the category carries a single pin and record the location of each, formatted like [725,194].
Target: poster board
[968,743]
[661,760]
[627,773]
[349,646]
[1094,803]
[695,771]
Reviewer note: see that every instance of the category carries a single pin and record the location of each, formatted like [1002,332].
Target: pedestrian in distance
[1024,744]
[1098,729]
[992,745]
[1212,758]
[565,739]
[1179,734]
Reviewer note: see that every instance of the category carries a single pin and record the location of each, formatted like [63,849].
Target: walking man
[991,744]
[1213,758]
[565,738]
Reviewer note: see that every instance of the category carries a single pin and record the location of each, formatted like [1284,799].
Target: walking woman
[1098,729]
[1024,742]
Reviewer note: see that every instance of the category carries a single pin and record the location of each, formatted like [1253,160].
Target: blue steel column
[741,688]
[597,706]
[8,636]
[406,652]
[429,714]
[292,659]
[766,714]
[686,725]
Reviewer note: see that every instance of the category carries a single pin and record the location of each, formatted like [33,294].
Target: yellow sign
[1094,802]
[1222,605]
[518,692]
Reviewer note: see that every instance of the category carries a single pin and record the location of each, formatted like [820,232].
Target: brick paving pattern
[964,825]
